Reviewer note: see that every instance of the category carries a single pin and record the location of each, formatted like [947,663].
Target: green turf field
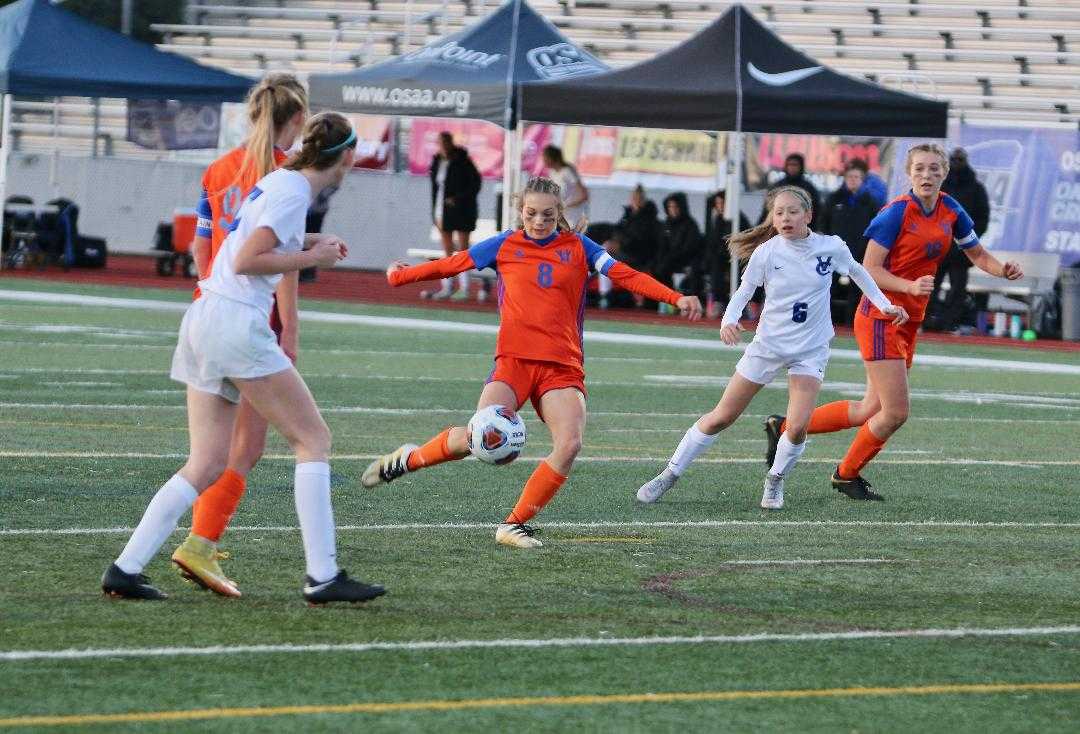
[953,606]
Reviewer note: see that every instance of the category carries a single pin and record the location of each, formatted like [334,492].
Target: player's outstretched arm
[399,273]
[982,259]
[645,285]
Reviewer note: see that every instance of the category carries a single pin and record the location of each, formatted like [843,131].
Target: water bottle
[1014,326]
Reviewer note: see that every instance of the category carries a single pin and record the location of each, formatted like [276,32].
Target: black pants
[952,310]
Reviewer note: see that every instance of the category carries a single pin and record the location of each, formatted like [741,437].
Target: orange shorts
[530,379]
[879,339]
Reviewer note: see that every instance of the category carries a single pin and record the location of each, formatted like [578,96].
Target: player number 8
[543,276]
[798,312]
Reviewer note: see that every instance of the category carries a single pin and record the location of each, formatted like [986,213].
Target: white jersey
[570,183]
[279,201]
[797,276]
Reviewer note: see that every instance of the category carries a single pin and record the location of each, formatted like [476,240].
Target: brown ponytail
[541,185]
[270,104]
[325,139]
[742,244]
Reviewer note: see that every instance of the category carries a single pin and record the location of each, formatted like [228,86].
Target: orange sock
[541,487]
[215,506]
[863,449]
[827,418]
[435,451]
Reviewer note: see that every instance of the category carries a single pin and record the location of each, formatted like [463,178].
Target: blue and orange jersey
[541,289]
[917,241]
[223,191]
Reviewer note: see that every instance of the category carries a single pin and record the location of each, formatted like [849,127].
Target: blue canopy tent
[471,74]
[50,52]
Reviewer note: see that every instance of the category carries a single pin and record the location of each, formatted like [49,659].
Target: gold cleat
[197,559]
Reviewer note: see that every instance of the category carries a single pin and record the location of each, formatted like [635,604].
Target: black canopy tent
[734,75]
[51,52]
[471,74]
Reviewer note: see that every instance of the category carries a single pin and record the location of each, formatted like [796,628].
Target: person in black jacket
[455,186]
[638,233]
[962,185]
[795,175]
[717,283]
[682,248]
[847,213]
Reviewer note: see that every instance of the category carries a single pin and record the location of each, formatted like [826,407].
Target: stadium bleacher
[1012,61]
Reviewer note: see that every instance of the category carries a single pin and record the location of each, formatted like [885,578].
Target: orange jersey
[223,193]
[917,241]
[541,289]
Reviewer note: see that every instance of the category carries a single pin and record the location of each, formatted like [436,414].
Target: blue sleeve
[885,227]
[485,252]
[598,258]
[964,228]
[204,225]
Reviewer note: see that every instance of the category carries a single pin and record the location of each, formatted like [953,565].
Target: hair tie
[350,140]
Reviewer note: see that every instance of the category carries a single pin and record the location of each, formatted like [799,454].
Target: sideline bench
[1016,296]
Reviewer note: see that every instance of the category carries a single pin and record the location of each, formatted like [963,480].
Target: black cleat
[773,433]
[120,585]
[340,588]
[857,488]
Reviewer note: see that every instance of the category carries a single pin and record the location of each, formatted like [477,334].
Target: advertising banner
[483,140]
[825,157]
[173,125]
[374,142]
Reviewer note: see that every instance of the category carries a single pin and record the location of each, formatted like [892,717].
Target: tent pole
[510,151]
[5,150]
[733,196]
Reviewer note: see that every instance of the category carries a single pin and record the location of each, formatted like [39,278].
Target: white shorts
[221,340]
[759,365]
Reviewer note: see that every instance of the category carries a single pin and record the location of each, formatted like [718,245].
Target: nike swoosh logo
[309,589]
[783,78]
[777,267]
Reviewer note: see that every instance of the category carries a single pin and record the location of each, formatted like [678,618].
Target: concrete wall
[379,215]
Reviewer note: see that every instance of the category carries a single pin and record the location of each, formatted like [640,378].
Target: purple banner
[1033,179]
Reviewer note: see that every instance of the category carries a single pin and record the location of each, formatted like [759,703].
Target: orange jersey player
[542,270]
[277,108]
[908,239]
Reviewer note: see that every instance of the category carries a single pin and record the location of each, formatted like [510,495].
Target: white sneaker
[773,496]
[654,489]
[517,535]
[482,295]
[438,295]
[388,467]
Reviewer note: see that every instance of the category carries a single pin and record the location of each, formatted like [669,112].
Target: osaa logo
[562,60]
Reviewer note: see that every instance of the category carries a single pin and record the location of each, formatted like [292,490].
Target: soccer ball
[496,434]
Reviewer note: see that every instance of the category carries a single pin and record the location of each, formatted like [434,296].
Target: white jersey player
[795,266]
[226,350]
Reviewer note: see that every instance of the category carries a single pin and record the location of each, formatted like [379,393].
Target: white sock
[166,508]
[463,281]
[603,284]
[693,444]
[447,285]
[312,493]
[787,454]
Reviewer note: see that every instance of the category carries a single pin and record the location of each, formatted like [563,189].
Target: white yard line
[597,337]
[563,642]
[1023,463]
[605,525]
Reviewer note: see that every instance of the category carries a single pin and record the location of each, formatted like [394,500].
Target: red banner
[374,142]
[483,140]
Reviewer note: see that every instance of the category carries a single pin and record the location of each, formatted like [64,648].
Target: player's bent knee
[569,447]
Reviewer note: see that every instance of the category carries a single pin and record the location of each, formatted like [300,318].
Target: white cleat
[655,488]
[773,496]
[388,467]
[517,535]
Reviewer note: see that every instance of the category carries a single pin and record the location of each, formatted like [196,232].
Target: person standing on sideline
[277,108]
[848,212]
[908,239]
[543,268]
[226,350]
[455,187]
[718,256]
[962,185]
[575,195]
[795,266]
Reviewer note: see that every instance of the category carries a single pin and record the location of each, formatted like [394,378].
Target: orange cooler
[183,230]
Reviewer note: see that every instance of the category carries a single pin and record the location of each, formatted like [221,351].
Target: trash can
[1070,304]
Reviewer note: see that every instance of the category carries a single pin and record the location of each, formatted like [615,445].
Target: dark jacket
[682,244]
[717,255]
[962,185]
[847,216]
[462,186]
[638,234]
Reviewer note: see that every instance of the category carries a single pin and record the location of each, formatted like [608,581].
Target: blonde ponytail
[742,244]
[270,104]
